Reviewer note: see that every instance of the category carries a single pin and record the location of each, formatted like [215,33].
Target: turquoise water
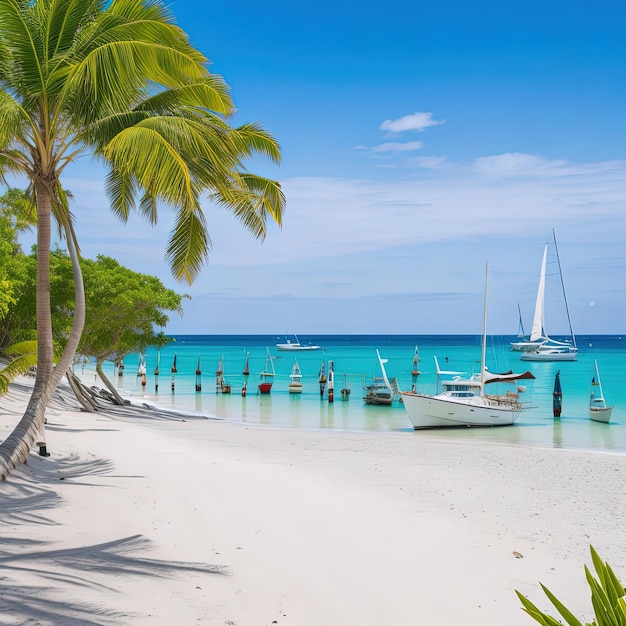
[355,364]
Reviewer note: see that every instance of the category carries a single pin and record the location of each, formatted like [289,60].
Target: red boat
[267,375]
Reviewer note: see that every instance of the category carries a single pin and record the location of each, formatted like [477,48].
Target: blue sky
[419,140]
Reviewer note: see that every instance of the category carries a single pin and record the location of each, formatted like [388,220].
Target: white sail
[545,348]
[382,367]
[537,330]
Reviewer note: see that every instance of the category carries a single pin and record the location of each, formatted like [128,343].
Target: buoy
[557,396]
[198,377]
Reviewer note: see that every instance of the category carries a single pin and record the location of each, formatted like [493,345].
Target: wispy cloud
[507,195]
[417,122]
[426,232]
[394,147]
[518,164]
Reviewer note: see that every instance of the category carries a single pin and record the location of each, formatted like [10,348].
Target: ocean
[355,365]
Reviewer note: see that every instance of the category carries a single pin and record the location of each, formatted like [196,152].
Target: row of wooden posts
[223,387]
[221,384]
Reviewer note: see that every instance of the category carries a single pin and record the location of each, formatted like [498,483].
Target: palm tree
[119,80]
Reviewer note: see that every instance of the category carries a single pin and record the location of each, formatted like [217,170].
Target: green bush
[607,597]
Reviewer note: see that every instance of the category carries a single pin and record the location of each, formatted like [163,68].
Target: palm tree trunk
[30,429]
[78,321]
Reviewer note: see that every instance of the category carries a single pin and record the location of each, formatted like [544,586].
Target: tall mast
[484,346]
[520,331]
[558,260]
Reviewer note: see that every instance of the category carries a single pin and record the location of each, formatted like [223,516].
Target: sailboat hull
[265,387]
[525,346]
[295,387]
[443,411]
[600,414]
[379,395]
[550,354]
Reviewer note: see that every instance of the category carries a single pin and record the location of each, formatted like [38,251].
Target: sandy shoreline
[143,521]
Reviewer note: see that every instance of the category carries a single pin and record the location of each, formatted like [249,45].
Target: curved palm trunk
[109,385]
[79,314]
[30,429]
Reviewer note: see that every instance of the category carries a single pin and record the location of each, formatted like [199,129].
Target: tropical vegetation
[119,80]
[23,357]
[608,598]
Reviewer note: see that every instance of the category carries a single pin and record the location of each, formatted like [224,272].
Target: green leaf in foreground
[608,598]
[23,357]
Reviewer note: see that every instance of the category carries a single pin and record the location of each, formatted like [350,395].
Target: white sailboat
[295,378]
[141,366]
[523,344]
[598,410]
[381,390]
[540,346]
[463,401]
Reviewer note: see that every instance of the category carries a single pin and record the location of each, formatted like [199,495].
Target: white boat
[550,353]
[295,378]
[541,347]
[296,345]
[462,400]
[381,390]
[598,410]
[523,344]
[141,367]
[267,375]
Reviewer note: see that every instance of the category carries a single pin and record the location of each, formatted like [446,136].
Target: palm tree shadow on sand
[27,499]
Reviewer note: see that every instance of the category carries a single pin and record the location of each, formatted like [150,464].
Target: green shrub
[607,597]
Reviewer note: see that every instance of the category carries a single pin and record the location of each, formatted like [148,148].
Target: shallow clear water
[355,364]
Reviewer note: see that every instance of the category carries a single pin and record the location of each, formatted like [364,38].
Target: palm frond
[122,193]
[155,164]
[25,357]
[13,121]
[270,195]
[210,93]
[18,29]
[189,245]
[252,139]
[148,209]
[22,348]
[131,58]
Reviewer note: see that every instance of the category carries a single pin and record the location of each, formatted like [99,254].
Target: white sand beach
[136,520]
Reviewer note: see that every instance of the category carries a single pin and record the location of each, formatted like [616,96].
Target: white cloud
[517,163]
[425,232]
[428,163]
[415,122]
[395,147]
